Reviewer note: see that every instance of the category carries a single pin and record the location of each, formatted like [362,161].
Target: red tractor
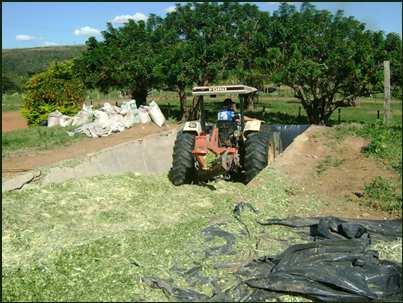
[236,149]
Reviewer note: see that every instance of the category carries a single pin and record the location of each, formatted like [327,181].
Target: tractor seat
[226,130]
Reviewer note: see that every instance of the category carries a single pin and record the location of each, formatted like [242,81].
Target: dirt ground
[11,121]
[22,162]
[335,185]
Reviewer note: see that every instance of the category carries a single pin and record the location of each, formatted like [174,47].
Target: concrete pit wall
[150,155]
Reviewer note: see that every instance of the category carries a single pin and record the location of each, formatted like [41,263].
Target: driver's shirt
[226,115]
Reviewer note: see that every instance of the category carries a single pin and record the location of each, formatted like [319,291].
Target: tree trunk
[140,95]
[184,109]
[317,113]
[312,113]
[194,111]
[249,103]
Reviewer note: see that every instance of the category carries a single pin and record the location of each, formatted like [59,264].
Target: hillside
[18,64]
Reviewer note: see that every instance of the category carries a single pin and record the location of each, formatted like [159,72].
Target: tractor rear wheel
[256,154]
[260,150]
[183,162]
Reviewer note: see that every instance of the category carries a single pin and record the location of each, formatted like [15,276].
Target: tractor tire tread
[182,170]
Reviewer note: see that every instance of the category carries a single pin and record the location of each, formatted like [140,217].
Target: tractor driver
[228,112]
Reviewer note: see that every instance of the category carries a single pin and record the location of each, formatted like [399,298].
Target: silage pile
[143,239]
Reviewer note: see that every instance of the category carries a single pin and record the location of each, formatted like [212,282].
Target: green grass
[36,138]
[327,163]
[385,141]
[11,102]
[382,194]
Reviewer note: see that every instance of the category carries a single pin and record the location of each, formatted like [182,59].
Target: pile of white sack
[108,119]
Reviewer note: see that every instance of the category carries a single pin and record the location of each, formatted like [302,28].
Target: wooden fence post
[386,84]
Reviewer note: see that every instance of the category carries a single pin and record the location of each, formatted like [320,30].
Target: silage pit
[150,155]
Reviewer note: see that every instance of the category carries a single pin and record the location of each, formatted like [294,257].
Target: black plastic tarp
[288,132]
[337,265]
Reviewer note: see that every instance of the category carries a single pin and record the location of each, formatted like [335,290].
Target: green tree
[204,47]
[176,72]
[8,85]
[328,59]
[57,88]
[125,59]
[249,30]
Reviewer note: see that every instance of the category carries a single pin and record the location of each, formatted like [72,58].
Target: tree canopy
[328,59]
[126,58]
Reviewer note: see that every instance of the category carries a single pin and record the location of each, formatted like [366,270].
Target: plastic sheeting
[336,266]
[336,228]
[288,132]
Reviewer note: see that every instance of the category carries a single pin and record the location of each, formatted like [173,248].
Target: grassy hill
[19,63]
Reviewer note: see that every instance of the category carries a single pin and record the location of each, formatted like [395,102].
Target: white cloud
[87,31]
[170,9]
[125,18]
[273,3]
[24,37]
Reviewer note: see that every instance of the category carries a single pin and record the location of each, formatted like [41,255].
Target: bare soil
[335,185]
[20,162]
[11,121]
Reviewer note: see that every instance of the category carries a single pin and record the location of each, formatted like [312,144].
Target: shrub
[57,88]
[381,193]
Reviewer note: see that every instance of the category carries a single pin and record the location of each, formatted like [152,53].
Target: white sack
[101,118]
[143,114]
[65,121]
[110,110]
[128,106]
[83,116]
[130,112]
[54,118]
[92,129]
[128,120]
[156,114]
[116,123]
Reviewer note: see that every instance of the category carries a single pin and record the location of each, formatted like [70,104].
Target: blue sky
[33,24]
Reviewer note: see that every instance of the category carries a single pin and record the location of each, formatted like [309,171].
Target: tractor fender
[192,127]
[251,126]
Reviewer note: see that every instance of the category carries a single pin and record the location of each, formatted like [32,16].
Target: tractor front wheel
[183,161]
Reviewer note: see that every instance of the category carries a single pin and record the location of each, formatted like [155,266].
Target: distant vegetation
[21,63]
[327,59]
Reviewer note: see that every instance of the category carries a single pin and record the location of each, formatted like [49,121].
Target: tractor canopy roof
[238,89]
